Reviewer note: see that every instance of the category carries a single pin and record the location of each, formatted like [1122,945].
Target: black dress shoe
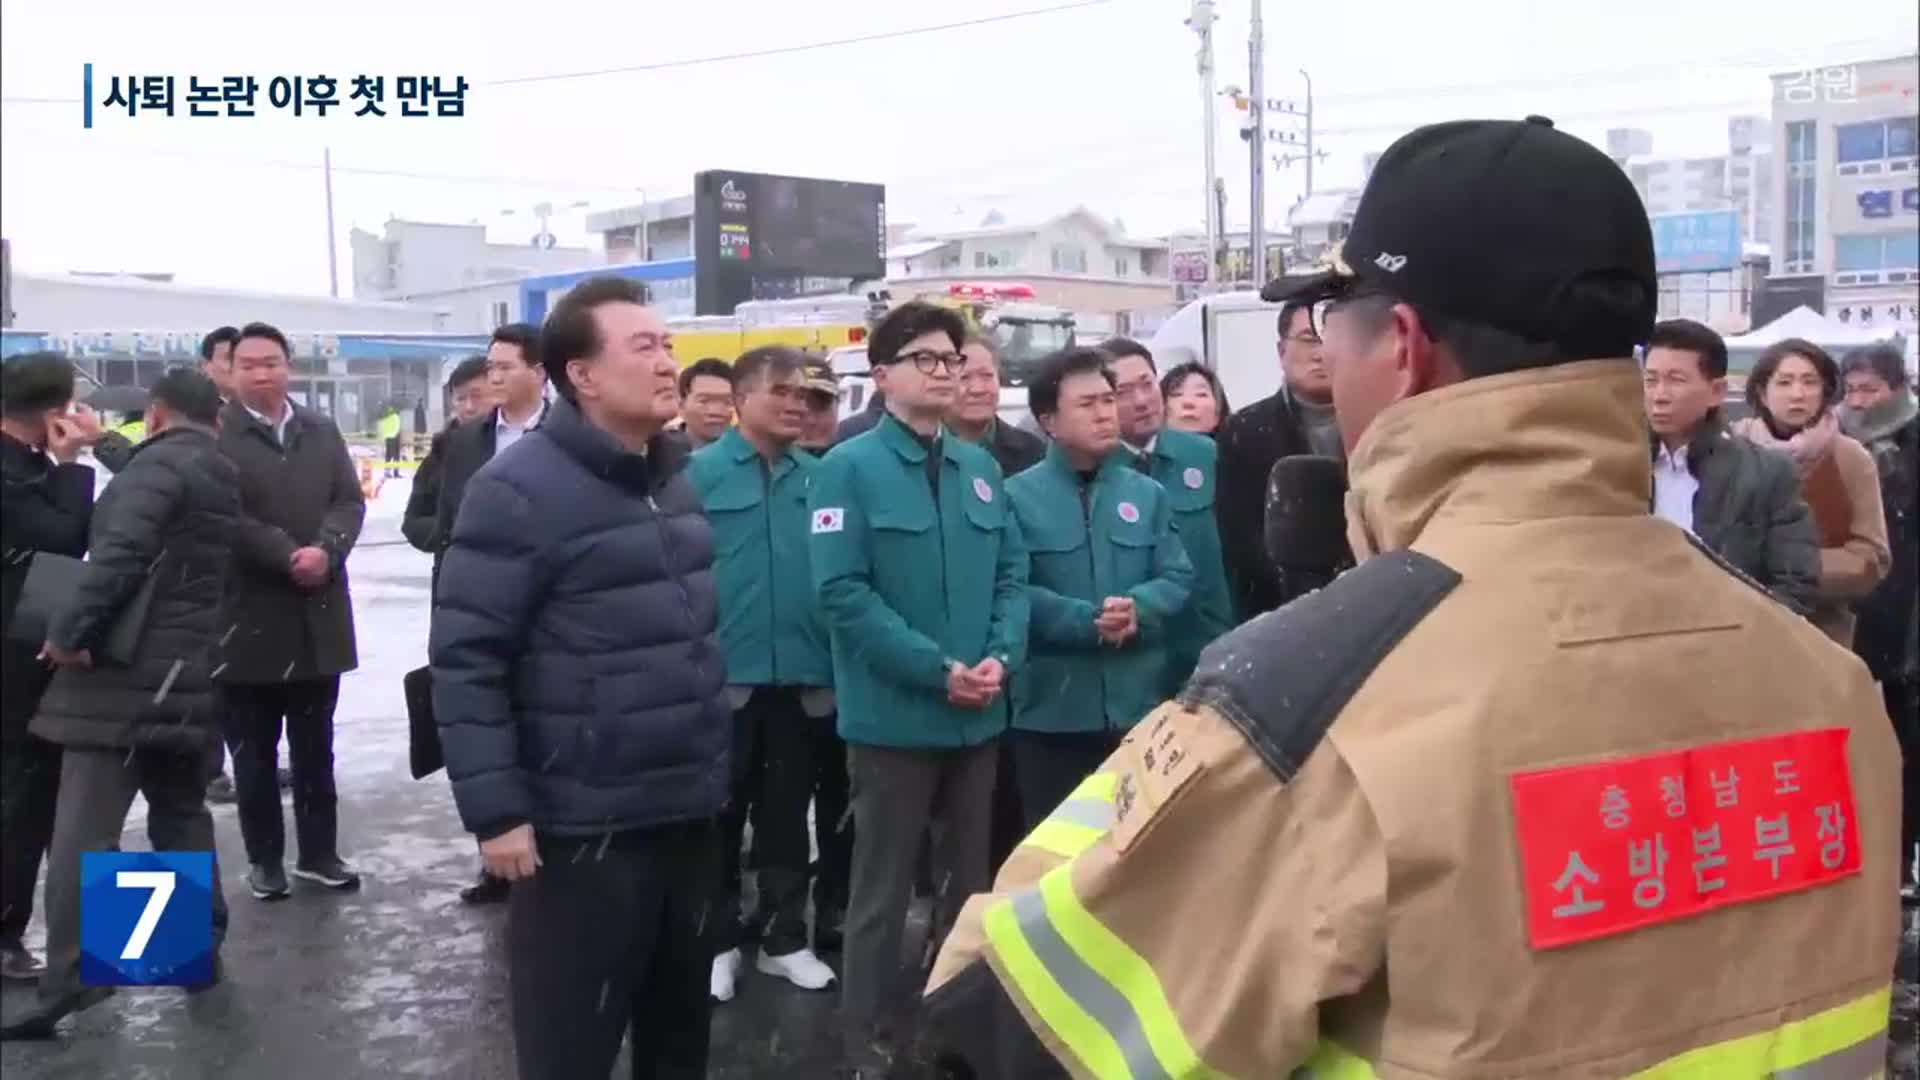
[486,889]
[41,1023]
[19,965]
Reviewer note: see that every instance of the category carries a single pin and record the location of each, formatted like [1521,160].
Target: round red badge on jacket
[983,489]
[1129,513]
[1193,478]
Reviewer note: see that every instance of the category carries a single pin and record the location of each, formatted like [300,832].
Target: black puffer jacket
[577,677]
[1886,636]
[170,513]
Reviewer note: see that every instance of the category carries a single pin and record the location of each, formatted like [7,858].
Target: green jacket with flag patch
[1112,536]
[911,582]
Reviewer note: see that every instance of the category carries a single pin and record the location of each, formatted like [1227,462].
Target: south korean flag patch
[829,519]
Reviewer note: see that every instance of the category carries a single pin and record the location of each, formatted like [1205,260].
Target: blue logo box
[146,918]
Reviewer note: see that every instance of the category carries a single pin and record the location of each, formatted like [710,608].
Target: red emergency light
[983,291]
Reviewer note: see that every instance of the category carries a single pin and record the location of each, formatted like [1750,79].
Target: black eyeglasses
[926,361]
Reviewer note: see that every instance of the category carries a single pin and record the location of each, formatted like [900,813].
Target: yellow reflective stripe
[1331,1061]
[1076,824]
[1126,971]
[1068,1022]
[1100,785]
[1801,1044]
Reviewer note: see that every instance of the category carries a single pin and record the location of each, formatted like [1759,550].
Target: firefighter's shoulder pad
[1283,678]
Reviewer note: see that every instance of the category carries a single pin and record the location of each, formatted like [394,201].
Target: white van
[1236,334]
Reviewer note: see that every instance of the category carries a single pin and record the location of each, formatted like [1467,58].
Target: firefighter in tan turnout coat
[1540,789]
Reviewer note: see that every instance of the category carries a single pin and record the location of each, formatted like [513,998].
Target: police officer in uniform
[1491,803]
[1107,577]
[922,578]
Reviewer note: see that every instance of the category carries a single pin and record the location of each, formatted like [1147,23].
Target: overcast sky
[1095,105]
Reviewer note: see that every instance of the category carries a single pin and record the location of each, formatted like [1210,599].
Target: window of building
[1802,158]
[500,314]
[1872,252]
[1122,267]
[1875,146]
[1069,259]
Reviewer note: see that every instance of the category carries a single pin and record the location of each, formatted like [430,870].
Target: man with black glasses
[921,575]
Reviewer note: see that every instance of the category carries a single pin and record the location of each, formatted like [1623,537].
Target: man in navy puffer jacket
[580,690]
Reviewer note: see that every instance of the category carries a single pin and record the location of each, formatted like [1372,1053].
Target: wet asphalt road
[401,979]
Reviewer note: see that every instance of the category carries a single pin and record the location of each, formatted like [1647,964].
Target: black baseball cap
[1493,222]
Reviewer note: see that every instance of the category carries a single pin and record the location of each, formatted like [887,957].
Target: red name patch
[1617,845]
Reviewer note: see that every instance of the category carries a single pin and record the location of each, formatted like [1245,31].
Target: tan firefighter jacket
[1540,789]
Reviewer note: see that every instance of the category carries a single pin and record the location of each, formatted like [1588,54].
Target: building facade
[1738,180]
[1077,260]
[60,303]
[647,231]
[412,258]
[1848,230]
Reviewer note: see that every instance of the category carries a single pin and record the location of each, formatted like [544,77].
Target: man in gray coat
[165,524]
[290,633]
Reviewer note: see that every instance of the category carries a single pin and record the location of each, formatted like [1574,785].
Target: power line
[722,58]
[755,54]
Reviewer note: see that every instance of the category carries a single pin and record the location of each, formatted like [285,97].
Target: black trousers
[255,717]
[96,789]
[1009,821]
[603,940]
[1049,765]
[772,782]
[832,819]
[29,790]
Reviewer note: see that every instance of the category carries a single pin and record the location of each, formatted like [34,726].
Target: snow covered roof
[915,248]
[1324,208]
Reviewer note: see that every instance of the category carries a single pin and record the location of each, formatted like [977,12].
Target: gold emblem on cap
[1336,260]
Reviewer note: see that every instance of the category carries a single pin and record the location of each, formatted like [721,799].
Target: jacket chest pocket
[1132,546]
[734,512]
[906,552]
[1059,556]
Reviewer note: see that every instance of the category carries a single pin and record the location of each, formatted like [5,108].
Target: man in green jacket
[1187,465]
[753,484]
[1108,578]
[921,575]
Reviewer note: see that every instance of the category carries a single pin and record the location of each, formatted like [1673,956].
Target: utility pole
[1201,22]
[1219,251]
[1305,141]
[1257,183]
[333,257]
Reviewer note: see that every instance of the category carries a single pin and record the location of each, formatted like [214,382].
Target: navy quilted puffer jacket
[577,678]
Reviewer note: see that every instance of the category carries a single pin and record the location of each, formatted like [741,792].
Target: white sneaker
[726,971]
[800,967]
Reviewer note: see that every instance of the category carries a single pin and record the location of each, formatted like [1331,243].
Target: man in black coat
[1882,414]
[1742,502]
[289,633]
[1296,419]
[46,502]
[975,415]
[580,690]
[166,523]
[516,384]
[472,399]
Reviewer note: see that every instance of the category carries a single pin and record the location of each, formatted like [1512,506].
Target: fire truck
[1023,330]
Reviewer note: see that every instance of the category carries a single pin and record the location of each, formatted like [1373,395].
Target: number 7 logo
[161,882]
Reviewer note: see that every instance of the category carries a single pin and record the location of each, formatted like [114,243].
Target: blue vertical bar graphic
[86,95]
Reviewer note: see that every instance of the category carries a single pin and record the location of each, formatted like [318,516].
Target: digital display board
[758,236]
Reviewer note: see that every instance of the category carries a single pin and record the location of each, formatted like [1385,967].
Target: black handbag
[423,733]
[51,581]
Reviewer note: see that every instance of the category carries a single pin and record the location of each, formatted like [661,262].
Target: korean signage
[240,96]
[1688,243]
[1836,84]
[1880,202]
[1617,845]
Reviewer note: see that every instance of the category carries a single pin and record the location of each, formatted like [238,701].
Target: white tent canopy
[1804,322]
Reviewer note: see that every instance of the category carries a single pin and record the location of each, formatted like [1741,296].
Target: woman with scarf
[1793,391]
